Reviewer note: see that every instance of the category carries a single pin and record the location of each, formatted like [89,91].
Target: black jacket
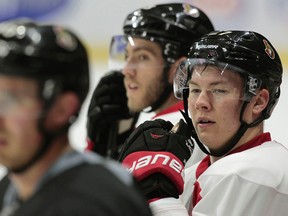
[84,190]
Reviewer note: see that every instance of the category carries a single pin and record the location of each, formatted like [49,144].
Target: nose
[129,68]
[203,101]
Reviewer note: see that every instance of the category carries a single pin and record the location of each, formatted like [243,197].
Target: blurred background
[97,21]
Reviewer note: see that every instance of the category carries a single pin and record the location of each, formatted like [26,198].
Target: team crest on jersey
[268,49]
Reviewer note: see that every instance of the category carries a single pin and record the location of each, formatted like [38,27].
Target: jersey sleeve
[168,206]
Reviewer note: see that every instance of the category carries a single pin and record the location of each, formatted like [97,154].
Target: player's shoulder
[95,172]
[93,188]
[266,160]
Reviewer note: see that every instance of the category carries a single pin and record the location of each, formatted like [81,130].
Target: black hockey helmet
[177,24]
[245,52]
[51,54]
[55,58]
[248,53]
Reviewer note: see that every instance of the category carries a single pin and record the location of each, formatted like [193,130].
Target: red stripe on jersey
[171,109]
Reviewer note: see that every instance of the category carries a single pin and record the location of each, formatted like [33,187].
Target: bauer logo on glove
[156,153]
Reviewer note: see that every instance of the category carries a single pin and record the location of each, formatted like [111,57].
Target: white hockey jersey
[251,181]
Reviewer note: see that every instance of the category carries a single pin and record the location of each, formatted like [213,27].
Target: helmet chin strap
[231,144]
[235,139]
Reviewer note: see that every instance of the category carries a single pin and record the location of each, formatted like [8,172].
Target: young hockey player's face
[144,80]
[214,105]
[19,113]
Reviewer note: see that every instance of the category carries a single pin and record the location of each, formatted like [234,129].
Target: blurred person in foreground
[44,79]
[144,62]
[230,83]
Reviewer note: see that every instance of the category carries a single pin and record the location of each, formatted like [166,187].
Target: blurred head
[154,41]
[44,79]
[232,82]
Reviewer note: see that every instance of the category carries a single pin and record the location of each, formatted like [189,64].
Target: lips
[132,86]
[204,122]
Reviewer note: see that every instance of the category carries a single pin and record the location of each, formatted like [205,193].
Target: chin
[208,142]
[134,107]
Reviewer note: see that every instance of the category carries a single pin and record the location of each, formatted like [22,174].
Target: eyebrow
[140,48]
[210,84]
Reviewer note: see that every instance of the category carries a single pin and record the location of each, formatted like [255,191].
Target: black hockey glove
[156,155]
[107,109]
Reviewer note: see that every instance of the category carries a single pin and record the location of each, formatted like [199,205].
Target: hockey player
[231,84]
[155,40]
[44,79]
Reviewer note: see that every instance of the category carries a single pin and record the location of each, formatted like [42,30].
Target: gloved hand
[108,107]
[156,155]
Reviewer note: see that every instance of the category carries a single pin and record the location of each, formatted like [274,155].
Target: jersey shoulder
[86,189]
[251,165]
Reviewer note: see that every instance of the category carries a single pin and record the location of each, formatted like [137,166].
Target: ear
[174,67]
[261,101]
[65,106]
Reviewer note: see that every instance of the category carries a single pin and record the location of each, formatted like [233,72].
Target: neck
[171,100]
[248,135]
[27,181]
